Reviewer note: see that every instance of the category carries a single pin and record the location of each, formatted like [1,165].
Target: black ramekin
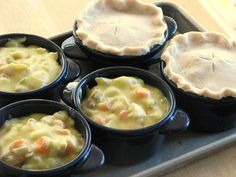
[70,70]
[89,159]
[74,48]
[128,146]
[206,114]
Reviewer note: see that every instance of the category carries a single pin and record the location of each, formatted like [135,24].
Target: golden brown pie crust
[121,27]
[203,63]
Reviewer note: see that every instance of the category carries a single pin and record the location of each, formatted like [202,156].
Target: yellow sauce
[40,141]
[26,68]
[124,103]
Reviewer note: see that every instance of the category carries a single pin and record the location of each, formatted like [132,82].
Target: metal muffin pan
[177,150]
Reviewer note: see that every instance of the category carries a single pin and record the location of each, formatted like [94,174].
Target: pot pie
[40,141]
[203,63]
[121,27]
[124,103]
[26,68]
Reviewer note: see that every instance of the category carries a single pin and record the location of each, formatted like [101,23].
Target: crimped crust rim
[179,80]
[95,44]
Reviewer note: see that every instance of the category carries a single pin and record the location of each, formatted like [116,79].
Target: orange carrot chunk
[42,145]
[69,147]
[104,106]
[123,115]
[141,93]
[17,144]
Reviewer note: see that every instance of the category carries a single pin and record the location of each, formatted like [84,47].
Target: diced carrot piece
[100,120]
[124,114]
[42,145]
[104,106]
[69,147]
[141,93]
[18,143]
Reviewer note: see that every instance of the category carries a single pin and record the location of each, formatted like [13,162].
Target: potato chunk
[13,69]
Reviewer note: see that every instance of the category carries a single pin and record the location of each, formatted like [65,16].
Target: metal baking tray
[178,149]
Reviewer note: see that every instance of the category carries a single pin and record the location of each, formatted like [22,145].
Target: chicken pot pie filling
[40,141]
[26,68]
[203,63]
[124,27]
[124,103]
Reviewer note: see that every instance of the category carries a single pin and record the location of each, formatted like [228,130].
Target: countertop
[49,17]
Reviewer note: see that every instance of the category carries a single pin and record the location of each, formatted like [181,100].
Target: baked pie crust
[121,27]
[203,63]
